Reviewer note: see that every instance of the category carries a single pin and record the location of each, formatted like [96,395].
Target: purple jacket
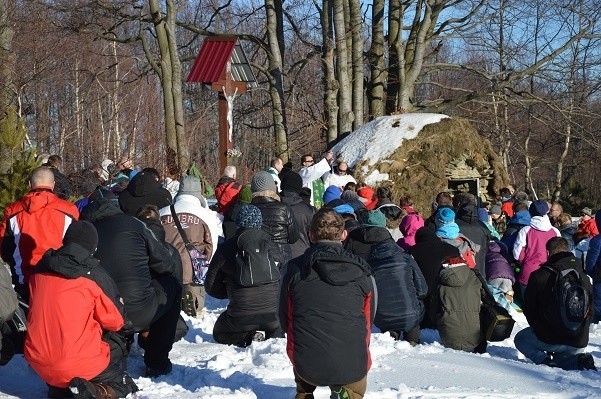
[497,265]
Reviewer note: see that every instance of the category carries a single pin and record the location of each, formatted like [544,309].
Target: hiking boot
[586,362]
[193,300]
[339,393]
[59,393]
[395,335]
[258,337]
[548,361]
[189,304]
[152,372]
[83,389]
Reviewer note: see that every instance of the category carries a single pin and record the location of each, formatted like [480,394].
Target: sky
[204,369]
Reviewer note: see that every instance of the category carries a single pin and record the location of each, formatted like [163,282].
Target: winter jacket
[244,302]
[131,255]
[202,226]
[409,226]
[456,308]
[541,307]
[473,228]
[303,214]
[142,190]
[73,300]
[229,220]
[530,245]
[311,176]
[30,227]
[361,240]
[567,232]
[8,298]
[278,222]
[507,207]
[401,287]
[390,210]
[497,265]
[226,192]
[62,186]
[276,177]
[334,179]
[589,227]
[593,264]
[327,305]
[514,225]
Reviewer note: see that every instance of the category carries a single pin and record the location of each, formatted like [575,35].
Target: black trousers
[239,331]
[164,322]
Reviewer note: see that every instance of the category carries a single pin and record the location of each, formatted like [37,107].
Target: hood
[71,261]
[385,250]
[38,199]
[425,234]
[334,265]
[143,184]
[290,197]
[497,247]
[564,260]
[468,213]
[225,180]
[156,227]
[100,209]
[541,223]
[455,276]
[411,224]
[521,218]
[369,234]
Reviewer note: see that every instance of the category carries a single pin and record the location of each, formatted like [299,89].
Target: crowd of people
[112,258]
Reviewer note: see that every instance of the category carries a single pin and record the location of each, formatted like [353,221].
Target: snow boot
[339,393]
[84,389]
[586,362]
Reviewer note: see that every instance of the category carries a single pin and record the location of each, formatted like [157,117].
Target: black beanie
[82,233]
[291,181]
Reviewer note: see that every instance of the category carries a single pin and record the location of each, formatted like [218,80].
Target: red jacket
[227,192]
[66,318]
[589,227]
[31,226]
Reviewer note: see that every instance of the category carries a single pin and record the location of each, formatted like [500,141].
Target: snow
[206,370]
[378,139]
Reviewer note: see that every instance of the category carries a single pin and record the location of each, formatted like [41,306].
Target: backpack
[573,299]
[469,255]
[255,264]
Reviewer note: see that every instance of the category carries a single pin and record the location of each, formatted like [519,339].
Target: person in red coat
[74,316]
[227,189]
[587,223]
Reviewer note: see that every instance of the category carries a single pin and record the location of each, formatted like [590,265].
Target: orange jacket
[589,227]
[507,207]
[30,227]
[65,323]
[227,192]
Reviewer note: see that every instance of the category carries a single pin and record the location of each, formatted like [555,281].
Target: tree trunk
[275,38]
[357,62]
[395,51]
[377,63]
[345,94]
[7,74]
[331,84]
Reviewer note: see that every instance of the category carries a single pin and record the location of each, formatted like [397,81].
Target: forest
[96,79]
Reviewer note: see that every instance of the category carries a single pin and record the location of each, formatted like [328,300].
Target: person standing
[312,172]
[327,304]
[276,166]
[341,177]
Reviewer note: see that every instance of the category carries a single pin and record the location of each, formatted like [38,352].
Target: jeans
[529,345]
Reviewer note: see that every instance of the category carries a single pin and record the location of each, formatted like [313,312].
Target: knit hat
[375,218]
[332,193]
[262,181]
[245,195]
[482,215]
[344,208]
[444,216]
[102,193]
[366,195]
[349,195]
[191,185]
[83,233]
[291,181]
[249,216]
[586,211]
[538,208]
[495,210]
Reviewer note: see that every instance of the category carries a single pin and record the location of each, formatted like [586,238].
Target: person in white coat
[311,174]
[340,178]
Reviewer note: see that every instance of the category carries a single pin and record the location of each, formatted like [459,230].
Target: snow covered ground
[206,370]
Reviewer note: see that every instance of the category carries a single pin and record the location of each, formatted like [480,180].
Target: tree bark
[377,65]
[345,95]
[357,62]
[330,83]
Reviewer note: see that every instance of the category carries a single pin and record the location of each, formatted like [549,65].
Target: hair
[556,245]
[152,171]
[327,225]
[406,200]
[274,162]
[558,205]
[350,186]
[521,196]
[579,236]
[444,198]
[470,198]
[564,219]
[41,176]
[230,171]
[148,212]
[505,192]
[384,192]
[54,161]
[305,156]
[519,206]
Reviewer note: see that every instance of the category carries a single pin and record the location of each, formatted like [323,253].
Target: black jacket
[360,240]
[541,307]
[131,255]
[327,304]
[303,214]
[142,190]
[401,287]
[278,222]
[245,302]
[476,231]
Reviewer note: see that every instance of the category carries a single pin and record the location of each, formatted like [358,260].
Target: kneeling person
[74,315]
[245,270]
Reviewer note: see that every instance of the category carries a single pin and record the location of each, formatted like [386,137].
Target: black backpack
[573,299]
[255,263]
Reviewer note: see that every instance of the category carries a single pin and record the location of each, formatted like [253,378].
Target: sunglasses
[309,160]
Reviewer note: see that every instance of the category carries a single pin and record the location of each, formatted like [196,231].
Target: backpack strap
[181,230]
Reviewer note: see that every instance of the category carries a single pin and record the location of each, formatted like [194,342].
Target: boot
[339,393]
[193,300]
[83,389]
